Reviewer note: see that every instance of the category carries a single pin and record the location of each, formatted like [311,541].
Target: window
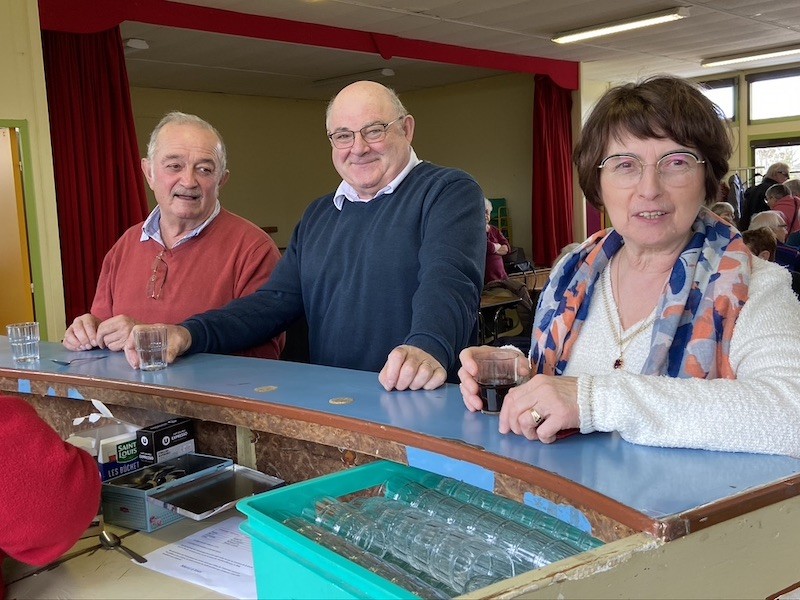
[767,152]
[774,95]
[722,92]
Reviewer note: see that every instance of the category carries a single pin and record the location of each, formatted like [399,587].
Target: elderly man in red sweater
[190,255]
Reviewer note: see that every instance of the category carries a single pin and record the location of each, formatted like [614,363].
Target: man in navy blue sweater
[387,270]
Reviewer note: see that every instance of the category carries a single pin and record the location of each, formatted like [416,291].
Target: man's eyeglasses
[625,170]
[375,132]
[157,278]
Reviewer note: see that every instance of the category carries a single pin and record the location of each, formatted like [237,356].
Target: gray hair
[777,191]
[793,185]
[767,218]
[775,167]
[394,99]
[488,204]
[719,207]
[180,118]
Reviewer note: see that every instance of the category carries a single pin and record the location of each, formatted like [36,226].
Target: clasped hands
[555,399]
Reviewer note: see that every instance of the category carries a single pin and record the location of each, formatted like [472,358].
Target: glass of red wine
[499,370]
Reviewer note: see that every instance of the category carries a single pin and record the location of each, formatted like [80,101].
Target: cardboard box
[164,441]
[113,443]
[118,455]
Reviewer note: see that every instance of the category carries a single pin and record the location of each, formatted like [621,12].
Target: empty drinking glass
[24,340]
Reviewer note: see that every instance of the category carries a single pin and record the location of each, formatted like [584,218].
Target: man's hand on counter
[178,341]
[409,368]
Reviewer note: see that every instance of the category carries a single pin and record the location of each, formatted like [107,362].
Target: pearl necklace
[616,326]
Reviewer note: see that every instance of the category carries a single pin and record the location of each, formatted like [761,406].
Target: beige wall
[23,104]
[280,160]
[484,127]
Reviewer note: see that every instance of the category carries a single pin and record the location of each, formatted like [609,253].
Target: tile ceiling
[202,61]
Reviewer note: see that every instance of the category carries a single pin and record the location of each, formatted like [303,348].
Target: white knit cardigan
[759,411]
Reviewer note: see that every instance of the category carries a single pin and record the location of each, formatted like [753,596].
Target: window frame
[751,78]
[733,83]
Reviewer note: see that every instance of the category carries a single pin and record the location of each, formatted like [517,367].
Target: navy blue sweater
[404,268]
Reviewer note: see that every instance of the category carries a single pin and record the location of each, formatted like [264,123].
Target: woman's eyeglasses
[625,170]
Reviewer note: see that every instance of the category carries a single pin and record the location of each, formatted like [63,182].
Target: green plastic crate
[289,565]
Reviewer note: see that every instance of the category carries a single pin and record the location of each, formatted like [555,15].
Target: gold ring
[537,418]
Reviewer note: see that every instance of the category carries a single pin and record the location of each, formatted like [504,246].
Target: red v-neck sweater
[229,259]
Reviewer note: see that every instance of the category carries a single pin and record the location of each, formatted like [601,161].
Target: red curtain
[99,186]
[551,211]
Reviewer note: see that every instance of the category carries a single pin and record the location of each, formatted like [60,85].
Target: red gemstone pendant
[618,363]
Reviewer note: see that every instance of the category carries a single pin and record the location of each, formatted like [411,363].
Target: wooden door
[16,298]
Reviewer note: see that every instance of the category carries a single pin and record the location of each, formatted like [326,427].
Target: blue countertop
[657,482]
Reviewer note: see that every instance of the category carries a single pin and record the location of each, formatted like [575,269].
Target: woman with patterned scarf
[663,328]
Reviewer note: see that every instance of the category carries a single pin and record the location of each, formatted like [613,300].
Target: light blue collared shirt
[151,229]
[345,191]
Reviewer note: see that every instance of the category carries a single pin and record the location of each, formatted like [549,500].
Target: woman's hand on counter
[178,341]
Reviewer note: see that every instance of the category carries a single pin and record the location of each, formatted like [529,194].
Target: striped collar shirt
[345,191]
[151,229]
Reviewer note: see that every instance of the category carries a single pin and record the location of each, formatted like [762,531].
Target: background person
[189,255]
[49,490]
[387,270]
[785,255]
[794,187]
[754,197]
[725,211]
[497,246]
[779,198]
[657,328]
[762,243]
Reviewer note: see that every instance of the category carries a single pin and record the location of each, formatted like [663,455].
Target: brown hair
[759,240]
[658,107]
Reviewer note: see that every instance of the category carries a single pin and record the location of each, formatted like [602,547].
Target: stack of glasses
[447,539]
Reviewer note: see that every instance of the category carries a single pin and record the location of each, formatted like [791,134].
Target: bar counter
[678,523]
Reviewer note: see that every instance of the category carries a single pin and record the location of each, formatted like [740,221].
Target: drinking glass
[499,370]
[24,340]
[151,346]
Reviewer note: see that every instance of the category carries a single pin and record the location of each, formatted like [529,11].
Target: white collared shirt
[345,191]
[151,228]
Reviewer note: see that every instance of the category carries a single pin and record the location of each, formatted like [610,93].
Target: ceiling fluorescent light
[353,77]
[648,20]
[730,60]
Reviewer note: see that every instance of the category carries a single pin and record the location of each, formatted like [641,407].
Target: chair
[499,217]
[507,304]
